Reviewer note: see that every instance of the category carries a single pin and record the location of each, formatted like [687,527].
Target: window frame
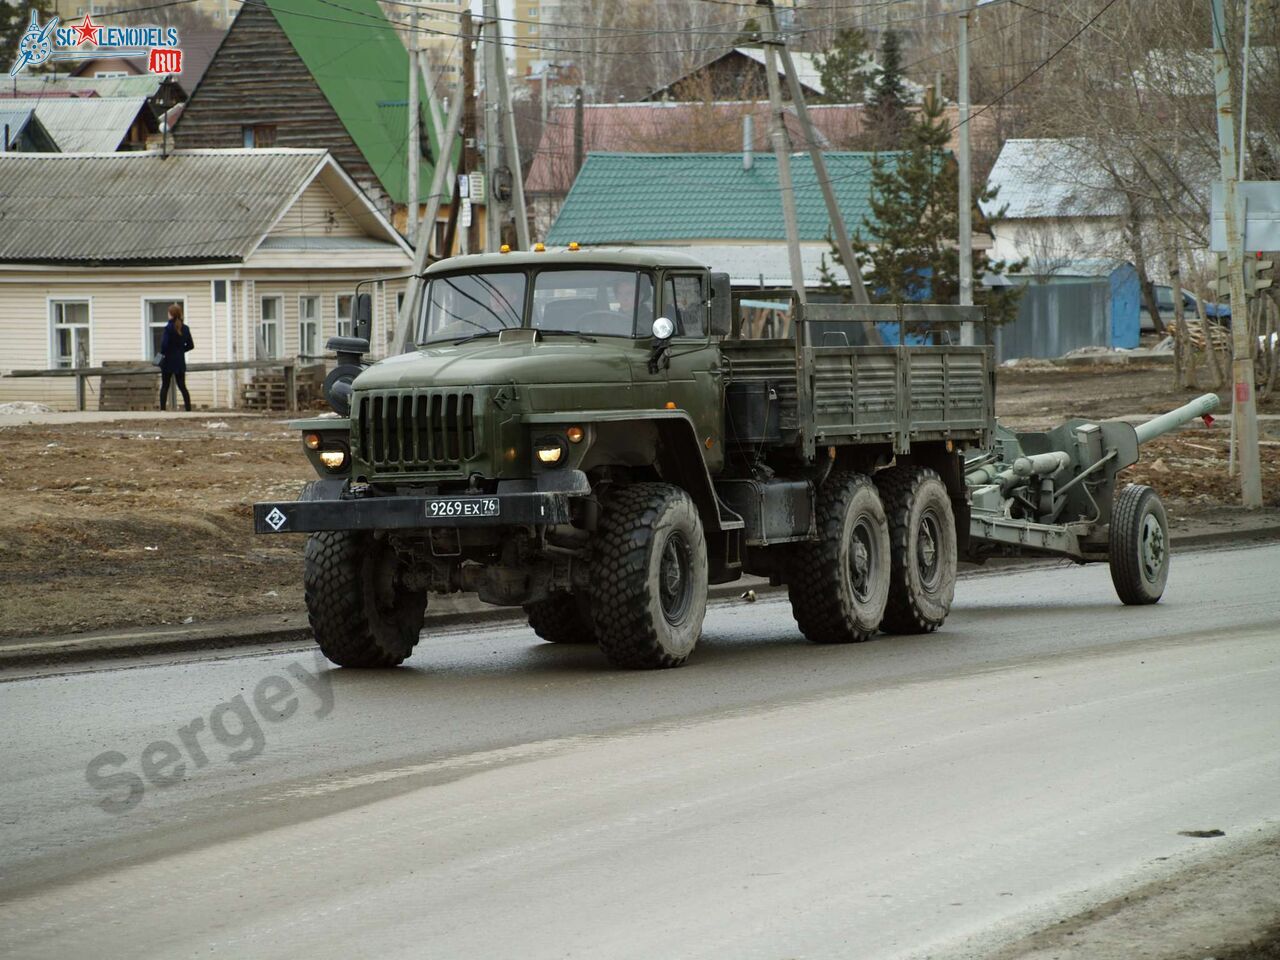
[278,323]
[180,298]
[350,318]
[53,329]
[317,322]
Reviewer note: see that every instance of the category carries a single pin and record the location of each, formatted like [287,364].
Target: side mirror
[663,329]
[364,316]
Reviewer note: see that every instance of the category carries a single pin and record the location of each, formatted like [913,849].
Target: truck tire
[649,593]
[922,549]
[839,585]
[561,618]
[360,614]
[1139,545]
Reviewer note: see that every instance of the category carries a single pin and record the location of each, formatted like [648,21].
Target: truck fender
[680,461]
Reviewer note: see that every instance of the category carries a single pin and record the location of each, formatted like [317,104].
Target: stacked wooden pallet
[1219,335]
[311,387]
[270,390]
[129,392]
[266,391]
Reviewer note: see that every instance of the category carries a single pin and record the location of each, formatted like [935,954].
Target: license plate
[463,507]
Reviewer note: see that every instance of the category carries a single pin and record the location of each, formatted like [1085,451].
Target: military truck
[596,436]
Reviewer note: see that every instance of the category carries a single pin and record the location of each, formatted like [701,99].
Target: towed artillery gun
[590,435]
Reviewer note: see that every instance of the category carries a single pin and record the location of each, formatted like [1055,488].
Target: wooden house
[262,248]
[285,77]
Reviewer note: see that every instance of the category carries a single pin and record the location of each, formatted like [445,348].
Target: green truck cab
[593,436]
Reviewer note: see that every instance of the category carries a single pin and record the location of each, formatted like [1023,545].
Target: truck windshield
[469,304]
[612,303]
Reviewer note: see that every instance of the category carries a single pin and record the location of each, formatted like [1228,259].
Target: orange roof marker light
[671,405]
[505,248]
[573,245]
[539,247]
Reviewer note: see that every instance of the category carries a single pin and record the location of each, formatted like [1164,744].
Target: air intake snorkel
[350,351]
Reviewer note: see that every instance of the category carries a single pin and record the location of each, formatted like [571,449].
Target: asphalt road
[911,796]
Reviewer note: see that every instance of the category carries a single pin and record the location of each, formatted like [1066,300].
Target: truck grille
[416,431]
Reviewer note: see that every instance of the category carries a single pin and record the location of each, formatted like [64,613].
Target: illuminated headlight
[550,450]
[333,459]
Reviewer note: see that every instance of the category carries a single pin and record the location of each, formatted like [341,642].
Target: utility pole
[470,155]
[442,176]
[521,213]
[579,134]
[415,134]
[495,208]
[1244,411]
[776,45]
[856,285]
[965,240]
[781,151]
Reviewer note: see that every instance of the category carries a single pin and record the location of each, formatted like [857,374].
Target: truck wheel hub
[1153,548]
[861,556]
[927,550]
[675,579]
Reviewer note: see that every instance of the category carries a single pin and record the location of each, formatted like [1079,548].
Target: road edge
[293,628]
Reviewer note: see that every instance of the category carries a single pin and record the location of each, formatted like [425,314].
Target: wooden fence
[82,374]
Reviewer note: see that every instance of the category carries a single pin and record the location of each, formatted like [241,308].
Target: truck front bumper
[532,508]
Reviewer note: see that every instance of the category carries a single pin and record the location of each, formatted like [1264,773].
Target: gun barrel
[1162,424]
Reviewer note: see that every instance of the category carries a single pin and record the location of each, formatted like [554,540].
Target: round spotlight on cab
[575,434]
[333,459]
[551,451]
[311,441]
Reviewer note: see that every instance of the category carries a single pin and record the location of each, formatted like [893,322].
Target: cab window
[603,302]
[687,305]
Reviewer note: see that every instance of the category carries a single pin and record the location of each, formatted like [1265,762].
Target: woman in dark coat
[174,345]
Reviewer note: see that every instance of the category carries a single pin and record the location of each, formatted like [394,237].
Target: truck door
[694,378]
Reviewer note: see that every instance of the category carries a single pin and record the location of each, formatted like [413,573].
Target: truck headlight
[550,451]
[333,459]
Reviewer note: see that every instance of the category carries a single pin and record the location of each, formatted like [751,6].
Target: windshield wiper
[571,333]
[477,336]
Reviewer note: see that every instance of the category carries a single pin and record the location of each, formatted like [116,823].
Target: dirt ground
[150,522]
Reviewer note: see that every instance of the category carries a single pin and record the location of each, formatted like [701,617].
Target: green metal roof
[643,197]
[362,68]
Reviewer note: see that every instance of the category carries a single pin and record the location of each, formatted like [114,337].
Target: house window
[308,326]
[259,135]
[70,321]
[155,314]
[219,291]
[344,315]
[268,347]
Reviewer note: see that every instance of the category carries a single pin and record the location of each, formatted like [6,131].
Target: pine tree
[841,68]
[887,120]
[750,33]
[906,249]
